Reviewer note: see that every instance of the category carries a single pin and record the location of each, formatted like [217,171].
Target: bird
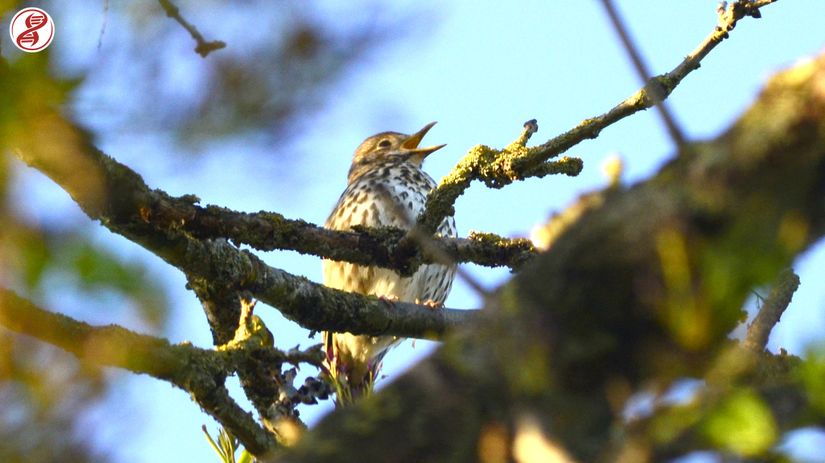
[387,187]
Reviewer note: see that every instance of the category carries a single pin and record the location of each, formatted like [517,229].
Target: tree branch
[383,247]
[268,386]
[656,93]
[771,311]
[496,168]
[117,196]
[645,287]
[203,47]
[500,167]
[198,371]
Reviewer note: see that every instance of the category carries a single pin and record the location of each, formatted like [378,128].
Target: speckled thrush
[385,187]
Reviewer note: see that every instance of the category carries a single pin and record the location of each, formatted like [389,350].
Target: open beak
[410,145]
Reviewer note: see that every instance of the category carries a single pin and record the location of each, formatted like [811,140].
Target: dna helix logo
[32,30]
[29,37]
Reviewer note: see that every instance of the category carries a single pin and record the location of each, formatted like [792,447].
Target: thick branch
[197,371]
[309,304]
[385,247]
[486,164]
[114,194]
[46,140]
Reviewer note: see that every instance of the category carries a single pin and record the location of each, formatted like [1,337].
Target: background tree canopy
[626,315]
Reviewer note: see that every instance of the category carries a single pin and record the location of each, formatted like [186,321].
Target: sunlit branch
[197,371]
[117,196]
[482,162]
[267,231]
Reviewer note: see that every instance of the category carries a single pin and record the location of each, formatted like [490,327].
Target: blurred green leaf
[669,424]
[7,5]
[741,423]
[245,457]
[31,255]
[812,373]
[97,269]
[25,253]
[35,257]
[27,88]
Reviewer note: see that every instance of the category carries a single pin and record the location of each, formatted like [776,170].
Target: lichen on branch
[498,168]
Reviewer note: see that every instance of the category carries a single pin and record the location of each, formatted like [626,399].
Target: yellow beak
[410,145]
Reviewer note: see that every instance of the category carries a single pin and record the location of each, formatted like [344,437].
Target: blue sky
[481,69]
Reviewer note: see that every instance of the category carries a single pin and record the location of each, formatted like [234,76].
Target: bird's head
[390,147]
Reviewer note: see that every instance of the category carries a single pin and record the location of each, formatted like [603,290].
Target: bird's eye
[384,143]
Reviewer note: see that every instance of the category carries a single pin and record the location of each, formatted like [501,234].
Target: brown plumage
[386,187]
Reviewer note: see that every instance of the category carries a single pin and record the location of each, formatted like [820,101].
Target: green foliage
[27,88]
[35,257]
[741,423]
[227,446]
[346,393]
[812,373]
[96,270]
[670,424]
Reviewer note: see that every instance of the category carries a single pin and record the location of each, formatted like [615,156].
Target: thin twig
[655,90]
[530,127]
[771,311]
[103,25]
[496,168]
[203,47]
[482,161]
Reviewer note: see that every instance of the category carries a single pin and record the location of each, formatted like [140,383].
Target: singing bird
[385,187]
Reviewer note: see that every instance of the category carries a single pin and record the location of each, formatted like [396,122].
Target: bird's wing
[361,205]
